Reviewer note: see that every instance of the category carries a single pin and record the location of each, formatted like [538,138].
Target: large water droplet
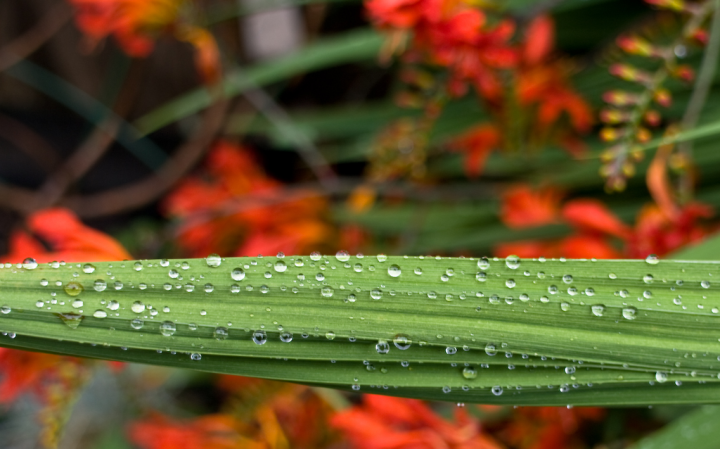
[512,262]
[280,266]
[490,349]
[167,328]
[259,337]
[100,314]
[652,259]
[469,372]
[497,390]
[510,283]
[77,303]
[629,313]
[394,271]
[238,274]
[73,288]
[137,307]
[29,263]
[483,263]
[315,256]
[381,258]
[382,347]
[320,277]
[661,376]
[71,320]
[138,266]
[286,337]
[136,324]
[195,356]
[113,305]
[342,256]
[375,293]
[327,292]
[173,273]
[598,309]
[5,309]
[100,285]
[213,260]
[88,268]
[402,342]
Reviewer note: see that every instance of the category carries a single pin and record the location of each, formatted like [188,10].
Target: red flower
[135,24]
[594,216]
[477,145]
[211,431]
[548,427]
[389,423]
[524,207]
[236,209]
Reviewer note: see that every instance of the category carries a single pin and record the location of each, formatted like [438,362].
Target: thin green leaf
[697,429]
[351,47]
[555,332]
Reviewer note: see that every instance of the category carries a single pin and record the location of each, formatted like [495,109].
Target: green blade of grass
[351,47]
[534,332]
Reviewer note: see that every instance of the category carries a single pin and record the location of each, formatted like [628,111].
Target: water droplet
[564,306]
[342,256]
[661,376]
[524,297]
[567,279]
[483,263]
[382,347]
[512,262]
[173,273]
[375,293]
[238,274]
[358,267]
[164,263]
[44,282]
[209,288]
[138,266]
[320,277]
[259,337]
[510,283]
[195,356]
[73,288]
[652,259]
[71,320]
[280,266]
[590,291]
[569,369]
[286,337]
[137,307]
[553,290]
[648,279]
[100,314]
[394,271]
[5,309]
[381,258]
[99,285]
[113,305]
[598,309]
[432,295]
[497,390]
[220,333]
[402,342]
[118,285]
[327,292]
[315,256]
[705,284]
[167,328]
[137,324]
[629,313]
[213,260]
[88,268]
[189,287]
[450,350]
[469,372]
[490,349]
[481,277]
[29,263]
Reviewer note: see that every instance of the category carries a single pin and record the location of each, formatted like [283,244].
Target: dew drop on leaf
[259,337]
[629,313]
[71,320]
[382,347]
[138,266]
[29,263]
[5,309]
[220,333]
[598,309]
[661,376]
[394,271]
[342,256]
[100,314]
[375,293]
[652,259]
[136,324]
[381,258]
[195,356]
[483,263]
[238,274]
[137,307]
[73,288]
[167,328]
[88,268]
[286,337]
[327,292]
[512,262]
[490,349]
[213,261]
[469,372]
[280,266]
[402,342]
[497,390]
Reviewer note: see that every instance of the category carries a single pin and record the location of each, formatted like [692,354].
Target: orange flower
[211,431]
[388,423]
[523,207]
[548,427]
[477,145]
[655,233]
[71,240]
[594,216]
[135,24]
[234,208]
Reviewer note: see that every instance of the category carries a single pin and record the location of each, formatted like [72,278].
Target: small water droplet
[88,268]
[512,262]
[195,356]
[375,293]
[137,307]
[259,337]
[320,277]
[327,292]
[173,273]
[5,309]
[209,288]
[220,333]
[652,259]
[564,306]
[29,263]
[138,266]
[394,271]
[286,337]
[342,256]
[100,314]
[629,313]
[497,390]
[661,376]
[490,349]
[73,288]
[510,283]
[382,347]
[381,258]
[137,324]
[567,279]
[280,266]
[113,305]
[705,284]
[598,309]
[483,263]
[469,372]
[238,274]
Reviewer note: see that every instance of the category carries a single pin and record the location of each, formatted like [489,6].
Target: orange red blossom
[597,232]
[136,24]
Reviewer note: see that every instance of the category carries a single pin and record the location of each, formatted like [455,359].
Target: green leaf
[550,332]
[706,249]
[351,47]
[697,429]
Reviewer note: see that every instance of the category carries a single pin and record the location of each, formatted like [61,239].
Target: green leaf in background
[697,429]
[506,331]
[351,47]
